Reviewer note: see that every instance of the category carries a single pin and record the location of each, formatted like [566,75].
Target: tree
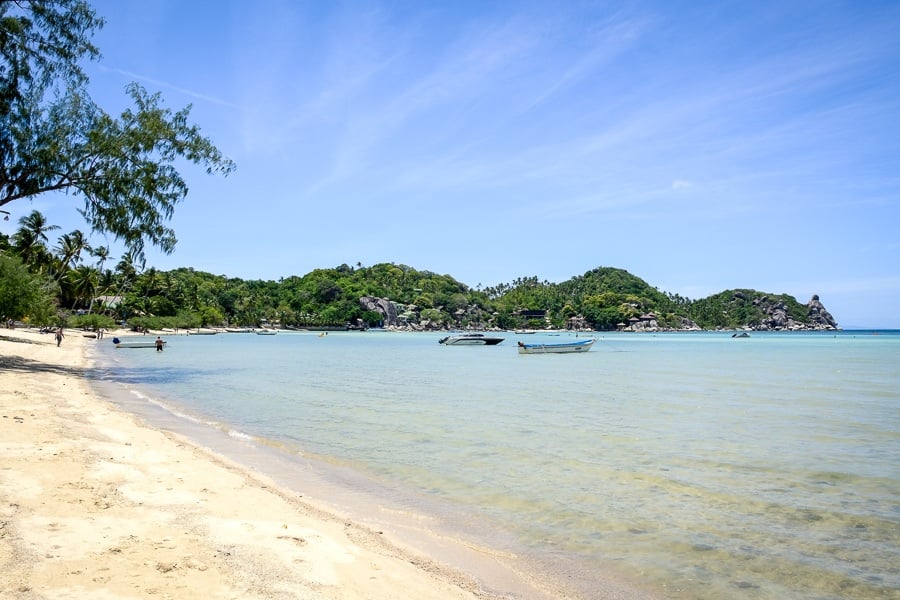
[30,240]
[83,281]
[22,293]
[53,138]
[101,253]
[68,252]
[210,315]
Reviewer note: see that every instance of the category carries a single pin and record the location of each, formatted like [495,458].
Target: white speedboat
[564,348]
[470,339]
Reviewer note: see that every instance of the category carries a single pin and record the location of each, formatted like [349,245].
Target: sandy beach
[94,504]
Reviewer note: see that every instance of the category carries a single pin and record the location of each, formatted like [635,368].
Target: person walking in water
[159,344]
[59,336]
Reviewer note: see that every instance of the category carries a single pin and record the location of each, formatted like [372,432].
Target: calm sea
[700,465]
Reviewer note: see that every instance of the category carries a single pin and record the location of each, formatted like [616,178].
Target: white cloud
[172,86]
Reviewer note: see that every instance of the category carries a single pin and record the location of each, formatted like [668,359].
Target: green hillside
[49,290]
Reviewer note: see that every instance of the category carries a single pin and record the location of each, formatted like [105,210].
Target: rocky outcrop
[688,325]
[649,323]
[818,316]
[384,306]
[758,311]
[778,318]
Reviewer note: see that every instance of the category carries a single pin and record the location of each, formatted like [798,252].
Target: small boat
[564,348]
[266,332]
[470,339]
[203,332]
[135,342]
[238,330]
[740,335]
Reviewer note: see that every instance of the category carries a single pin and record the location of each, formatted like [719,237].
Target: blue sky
[700,146]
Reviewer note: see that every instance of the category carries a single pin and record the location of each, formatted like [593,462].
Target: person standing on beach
[59,336]
[159,344]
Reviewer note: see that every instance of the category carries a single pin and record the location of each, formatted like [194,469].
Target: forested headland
[70,282]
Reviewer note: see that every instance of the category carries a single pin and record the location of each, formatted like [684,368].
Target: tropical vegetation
[70,281]
[54,140]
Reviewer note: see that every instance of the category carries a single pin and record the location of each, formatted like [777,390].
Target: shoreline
[93,500]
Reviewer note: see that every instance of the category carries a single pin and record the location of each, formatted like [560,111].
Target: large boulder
[384,306]
[777,317]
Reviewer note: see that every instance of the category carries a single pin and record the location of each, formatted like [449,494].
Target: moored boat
[470,339]
[266,332]
[135,342]
[563,348]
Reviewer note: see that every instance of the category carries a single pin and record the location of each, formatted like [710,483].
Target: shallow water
[702,465]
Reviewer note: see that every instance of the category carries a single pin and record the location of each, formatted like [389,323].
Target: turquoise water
[704,466]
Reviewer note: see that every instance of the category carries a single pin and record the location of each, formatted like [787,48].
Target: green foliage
[331,296]
[372,318]
[92,321]
[613,287]
[604,318]
[736,308]
[604,298]
[41,45]
[123,167]
[30,241]
[210,315]
[424,301]
[437,317]
[24,295]
[185,320]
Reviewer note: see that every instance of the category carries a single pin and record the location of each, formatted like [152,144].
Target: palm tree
[129,266]
[147,287]
[68,250]
[127,271]
[83,280]
[30,241]
[101,253]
